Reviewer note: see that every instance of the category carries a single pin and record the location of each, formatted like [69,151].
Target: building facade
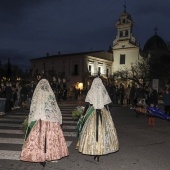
[126,51]
[74,69]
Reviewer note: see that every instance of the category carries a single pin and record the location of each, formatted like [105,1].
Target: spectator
[140,93]
[152,97]
[127,95]
[14,98]
[122,93]
[133,96]
[30,91]
[151,118]
[8,95]
[117,94]
[166,99]
[65,93]
[23,94]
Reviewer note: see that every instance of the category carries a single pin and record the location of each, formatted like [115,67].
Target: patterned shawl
[44,105]
[98,95]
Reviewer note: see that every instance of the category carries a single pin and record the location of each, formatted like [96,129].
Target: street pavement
[141,147]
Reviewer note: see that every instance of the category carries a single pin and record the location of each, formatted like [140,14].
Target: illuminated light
[18,78]
[80,86]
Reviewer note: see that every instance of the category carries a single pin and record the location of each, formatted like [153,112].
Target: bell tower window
[121,33]
[126,33]
[123,21]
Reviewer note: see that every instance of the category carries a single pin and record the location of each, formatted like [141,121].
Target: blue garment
[154,111]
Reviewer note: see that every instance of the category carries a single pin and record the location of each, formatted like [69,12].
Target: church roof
[155,43]
[99,54]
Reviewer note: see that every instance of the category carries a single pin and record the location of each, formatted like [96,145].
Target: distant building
[75,68]
[81,68]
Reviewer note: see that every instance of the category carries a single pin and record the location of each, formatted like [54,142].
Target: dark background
[30,29]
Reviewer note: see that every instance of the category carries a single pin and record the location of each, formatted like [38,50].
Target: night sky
[32,28]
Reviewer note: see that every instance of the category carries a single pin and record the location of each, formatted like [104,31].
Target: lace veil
[43,104]
[98,95]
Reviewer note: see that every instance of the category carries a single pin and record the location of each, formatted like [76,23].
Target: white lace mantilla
[44,105]
[98,95]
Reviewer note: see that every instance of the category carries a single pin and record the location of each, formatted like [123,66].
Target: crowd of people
[19,94]
[132,94]
[16,94]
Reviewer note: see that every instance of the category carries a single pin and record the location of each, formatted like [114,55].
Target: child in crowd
[152,102]
[151,118]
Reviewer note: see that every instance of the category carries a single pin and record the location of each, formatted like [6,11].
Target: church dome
[155,43]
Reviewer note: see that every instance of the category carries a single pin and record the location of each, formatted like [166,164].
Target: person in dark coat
[152,97]
[109,90]
[152,102]
[122,93]
[23,94]
[8,96]
[166,99]
[75,93]
[14,97]
[65,93]
[30,91]
[117,94]
[133,95]
[140,93]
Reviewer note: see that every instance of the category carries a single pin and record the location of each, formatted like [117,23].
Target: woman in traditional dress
[98,135]
[44,139]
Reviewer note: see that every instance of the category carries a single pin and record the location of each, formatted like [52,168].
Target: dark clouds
[32,28]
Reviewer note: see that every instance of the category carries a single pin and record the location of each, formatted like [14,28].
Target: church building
[79,69]
[126,51]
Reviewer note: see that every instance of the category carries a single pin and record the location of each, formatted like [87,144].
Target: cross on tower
[155,29]
[124,7]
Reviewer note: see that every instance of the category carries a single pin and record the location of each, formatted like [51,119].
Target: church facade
[125,48]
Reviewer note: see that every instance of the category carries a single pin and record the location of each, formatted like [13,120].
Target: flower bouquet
[76,114]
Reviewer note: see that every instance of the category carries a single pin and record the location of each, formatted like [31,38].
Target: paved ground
[141,147]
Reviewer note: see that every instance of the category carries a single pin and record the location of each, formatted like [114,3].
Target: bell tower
[125,48]
[124,28]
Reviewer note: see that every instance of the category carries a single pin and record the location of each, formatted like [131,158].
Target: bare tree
[138,73]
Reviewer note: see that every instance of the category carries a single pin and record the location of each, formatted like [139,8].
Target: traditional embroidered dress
[98,136]
[44,139]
